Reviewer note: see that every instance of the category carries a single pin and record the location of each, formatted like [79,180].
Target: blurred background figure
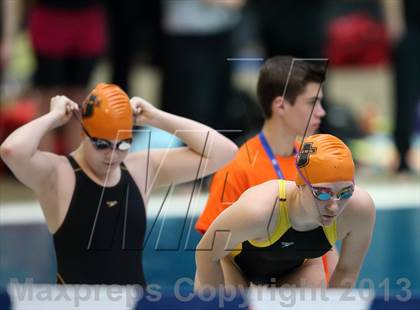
[196,72]
[8,12]
[403,24]
[67,38]
[291,27]
[12,115]
[354,40]
[298,28]
[134,30]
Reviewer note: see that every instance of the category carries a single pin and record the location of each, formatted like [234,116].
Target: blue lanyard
[271,156]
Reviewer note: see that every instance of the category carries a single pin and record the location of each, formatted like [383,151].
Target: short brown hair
[274,74]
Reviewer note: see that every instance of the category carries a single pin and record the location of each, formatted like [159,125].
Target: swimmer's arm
[206,148]
[355,244]
[243,220]
[20,149]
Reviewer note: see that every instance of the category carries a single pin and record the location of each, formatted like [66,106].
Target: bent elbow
[200,256]
[228,153]
[9,153]
[233,149]
[6,152]
[220,157]
[204,252]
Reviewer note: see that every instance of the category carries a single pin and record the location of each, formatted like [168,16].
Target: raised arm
[206,148]
[20,150]
[361,220]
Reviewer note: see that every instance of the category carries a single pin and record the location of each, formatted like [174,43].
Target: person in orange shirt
[288,90]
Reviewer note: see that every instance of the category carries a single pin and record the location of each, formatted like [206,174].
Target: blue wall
[26,252]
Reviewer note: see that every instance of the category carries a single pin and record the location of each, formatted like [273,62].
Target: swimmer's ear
[278,106]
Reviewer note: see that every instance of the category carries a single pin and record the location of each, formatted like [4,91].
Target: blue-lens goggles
[325,194]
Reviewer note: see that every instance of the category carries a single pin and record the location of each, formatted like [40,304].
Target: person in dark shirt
[274,232]
[402,19]
[94,199]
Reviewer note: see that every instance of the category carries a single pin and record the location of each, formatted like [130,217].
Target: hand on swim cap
[144,112]
[63,107]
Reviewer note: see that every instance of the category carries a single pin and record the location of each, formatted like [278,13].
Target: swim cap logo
[88,106]
[305,154]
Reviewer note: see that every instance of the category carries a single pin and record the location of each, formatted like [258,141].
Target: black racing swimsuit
[101,238]
[266,262]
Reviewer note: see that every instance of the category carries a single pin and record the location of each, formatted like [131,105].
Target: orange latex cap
[324,159]
[107,113]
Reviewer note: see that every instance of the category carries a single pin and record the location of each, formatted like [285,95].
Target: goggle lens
[325,194]
[124,145]
[102,144]
[346,194]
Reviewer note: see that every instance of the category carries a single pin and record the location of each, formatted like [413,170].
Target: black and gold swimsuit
[264,262]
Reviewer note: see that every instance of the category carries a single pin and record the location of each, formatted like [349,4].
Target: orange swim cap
[323,159]
[107,113]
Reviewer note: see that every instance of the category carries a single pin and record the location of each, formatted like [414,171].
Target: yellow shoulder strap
[331,232]
[237,250]
[283,223]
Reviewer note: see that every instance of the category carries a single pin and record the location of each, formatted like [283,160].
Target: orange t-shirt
[251,166]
